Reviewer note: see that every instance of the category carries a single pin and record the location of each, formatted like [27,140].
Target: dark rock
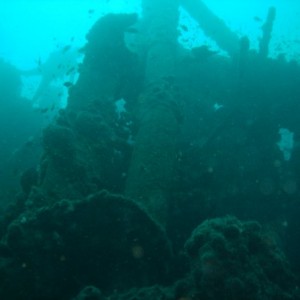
[231,259]
[105,240]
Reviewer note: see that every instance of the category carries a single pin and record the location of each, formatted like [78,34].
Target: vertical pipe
[150,172]
[267,33]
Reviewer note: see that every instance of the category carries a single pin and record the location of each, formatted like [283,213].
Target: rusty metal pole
[152,165]
[213,26]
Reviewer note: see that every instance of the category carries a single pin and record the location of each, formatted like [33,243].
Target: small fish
[16,172]
[66,48]
[91,11]
[68,84]
[29,142]
[71,70]
[81,50]
[217,106]
[39,62]
[44,110]
[203,52]
[257,19]
[131,30]
[184,28]
[185,40]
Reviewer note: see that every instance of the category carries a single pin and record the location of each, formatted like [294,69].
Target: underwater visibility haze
[149,150]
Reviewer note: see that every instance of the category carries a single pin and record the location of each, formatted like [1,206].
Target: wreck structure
[121,190]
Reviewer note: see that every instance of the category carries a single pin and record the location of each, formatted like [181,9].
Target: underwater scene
[149,150]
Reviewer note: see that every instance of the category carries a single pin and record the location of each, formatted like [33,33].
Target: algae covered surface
[170,172]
